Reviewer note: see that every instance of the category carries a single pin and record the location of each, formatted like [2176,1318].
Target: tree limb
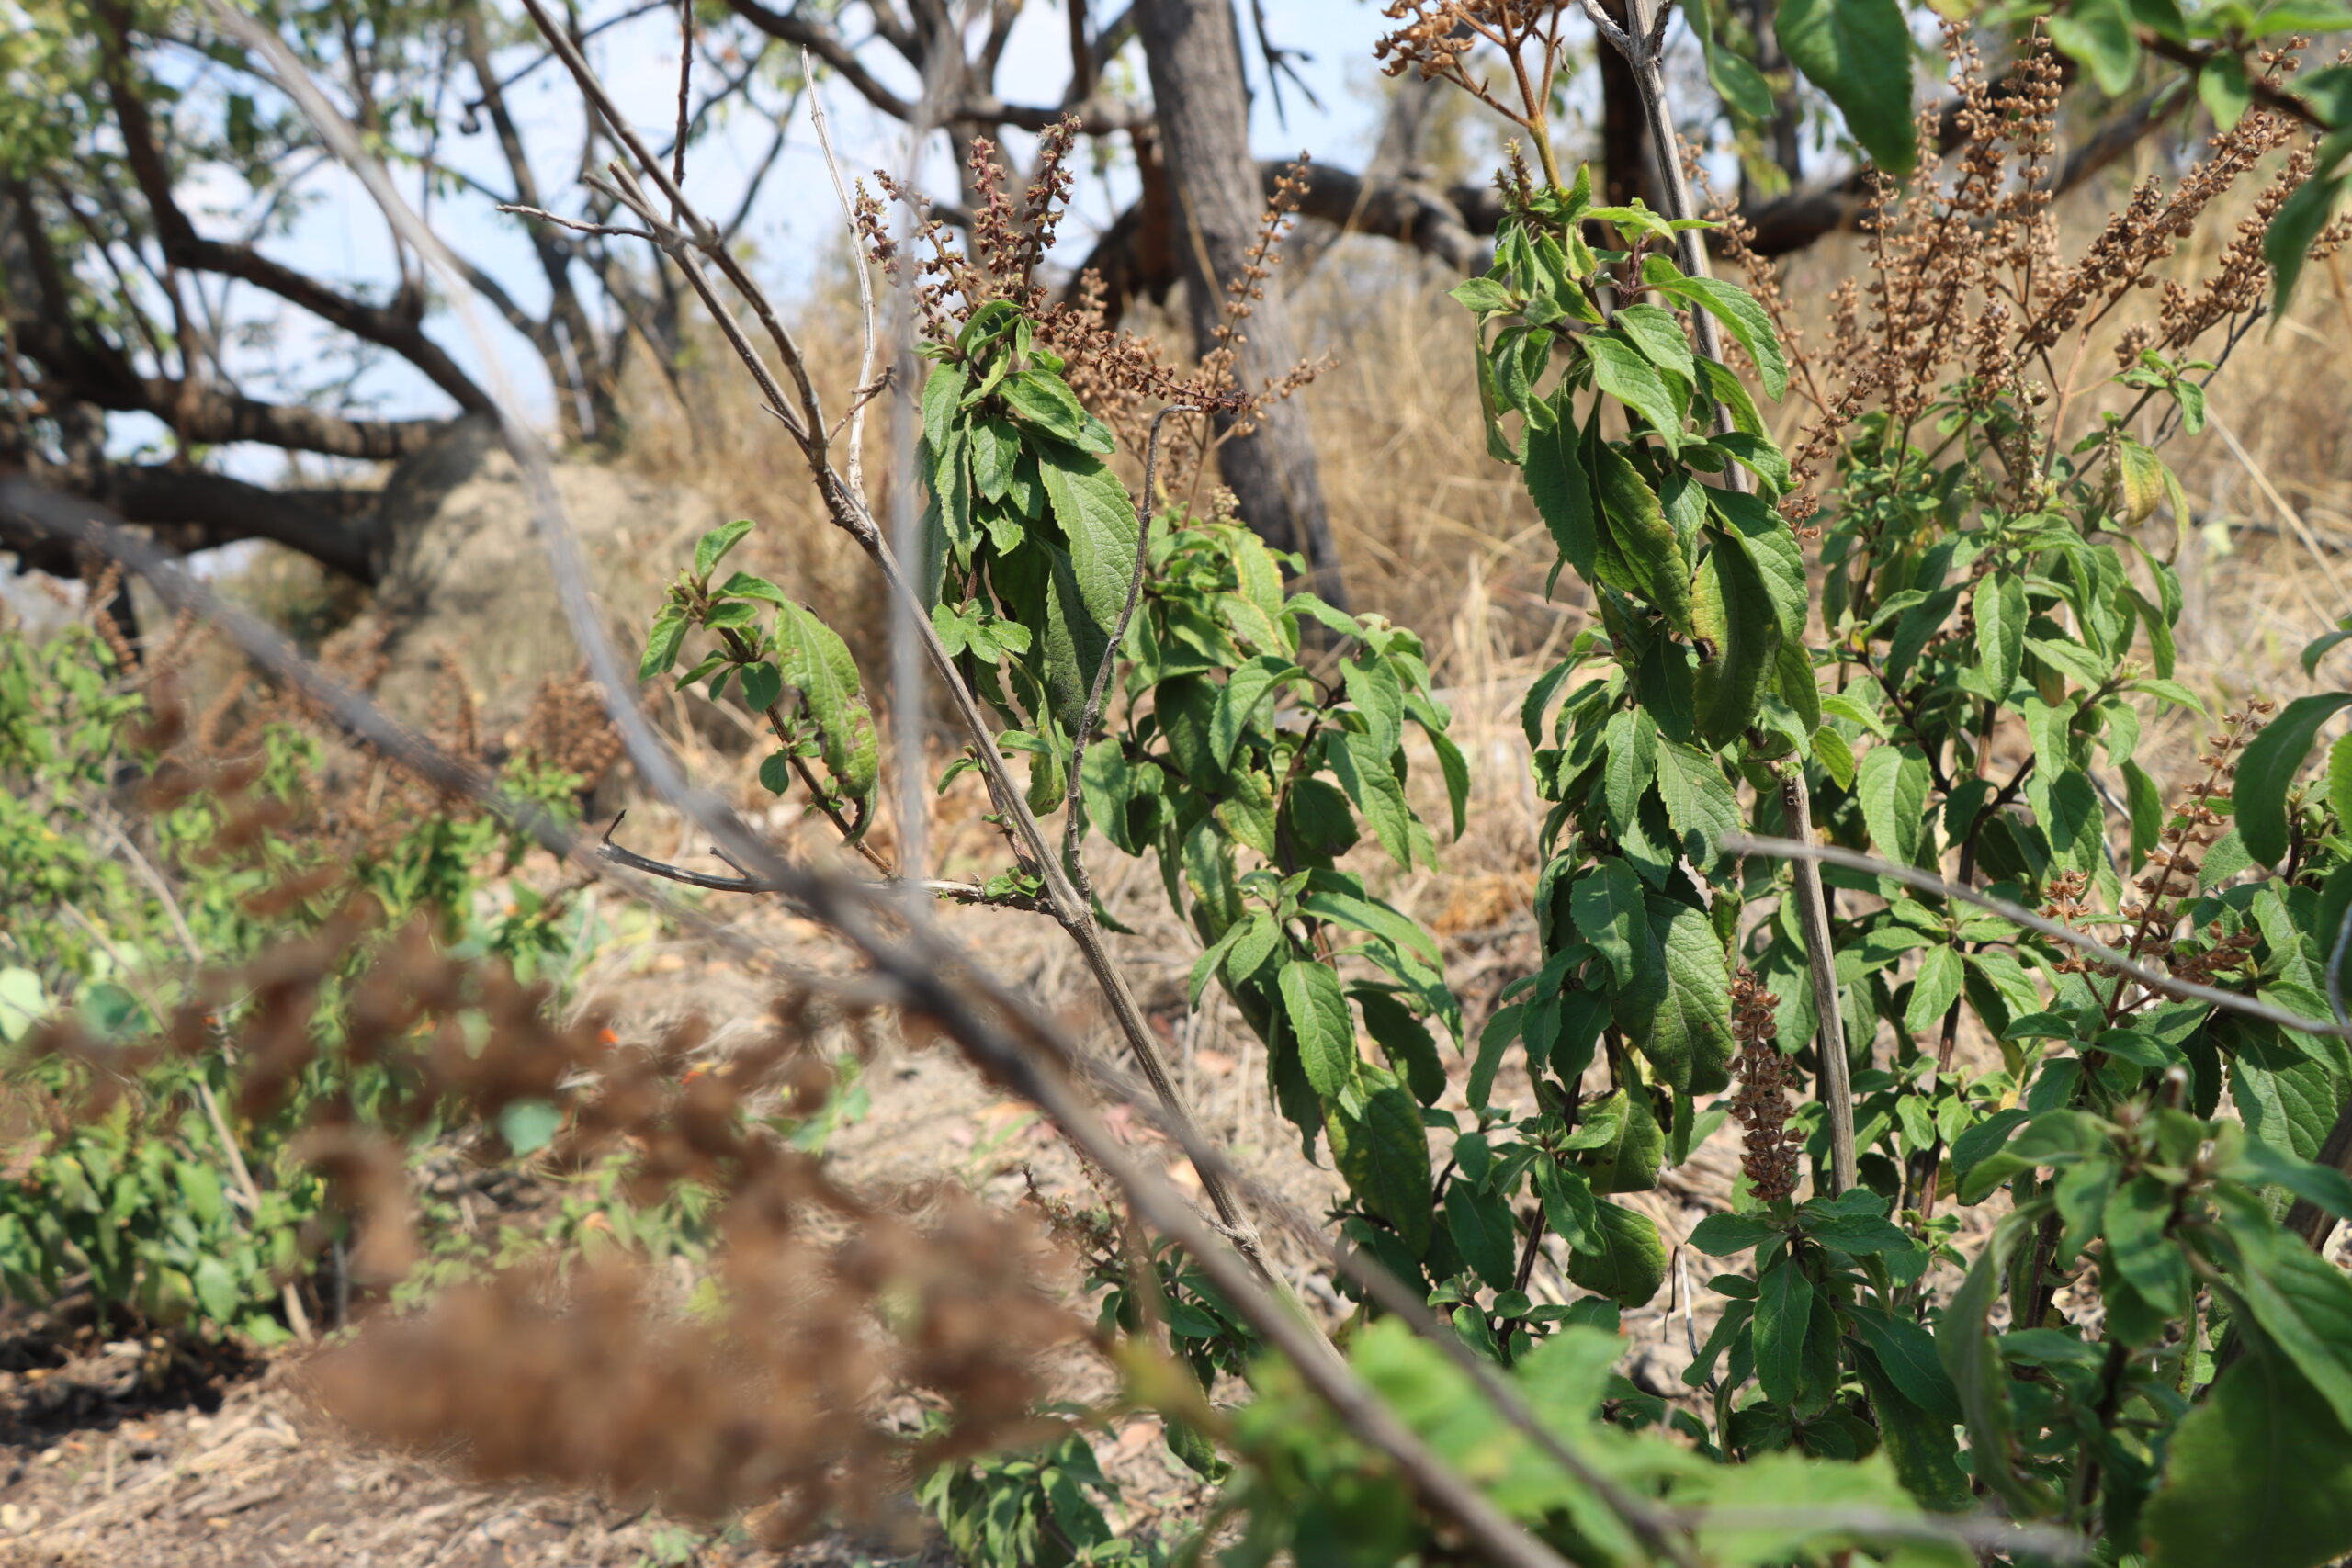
[387,326]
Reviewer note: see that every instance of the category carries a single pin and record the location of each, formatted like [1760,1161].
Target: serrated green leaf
[1783,1317]
[1907,1353]
[1739,635]
[1316,1009]
[1482,1231]
[1677,1013]
[1370,782]
[1697,799]
[1099,520]
[2304,1303]
[1611,912]
[1935,989]
[1562,494]
[1623,372]
[1246,694]
[996,456]
[943,393]
[1405,1040]
[1382,1151]
[712,547]
[1748,323]
[2000,628]
[1892,786]
[1965,1343]
[1629,1263]
[1658,335]
[662,645]
[1719,1236]
[1046,402]
[2258,1475]
[1379,697]
[817,663]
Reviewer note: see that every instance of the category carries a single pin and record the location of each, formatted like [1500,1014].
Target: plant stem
[1812,915]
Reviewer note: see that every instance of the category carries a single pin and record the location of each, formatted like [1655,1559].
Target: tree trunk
[1193,52]
[1624,133]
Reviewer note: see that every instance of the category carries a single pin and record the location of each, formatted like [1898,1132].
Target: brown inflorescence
[1123,378]
[1968,296]
[774,1398]
[1761,1104]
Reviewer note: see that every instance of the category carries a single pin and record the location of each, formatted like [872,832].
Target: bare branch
[2156,980]
[602,230]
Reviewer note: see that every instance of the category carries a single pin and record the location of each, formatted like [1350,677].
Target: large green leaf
[1678,1014]
[2287,243]
[818,663]
[1783,1313]
[1046,400]
[1630,1262]
[2304,1303]
[1892,785]
[2000,630]
[1379,696]
[1979,1377]
[1757,527]
[1317,1011]
[1243,697]
[2259,1475]
[1736,308]
[2267,768]
[1410,1047]
[1369,779]
[1740,635]
[1481,1227]
[1563,495]
[1610,911]
[1642,537]
[1857,51]
[1383,1152]
[2100,34]
[1908,1354]
[1099,521]
[1697,799]
[1624,373]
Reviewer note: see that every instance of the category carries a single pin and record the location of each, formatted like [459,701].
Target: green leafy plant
[144,1176]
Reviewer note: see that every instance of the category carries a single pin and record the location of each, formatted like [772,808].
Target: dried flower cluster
[566,729]
[1761,1104]
[2163,891]
[1439,38]
[1968,296]
[1121,377]
[772,1402]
